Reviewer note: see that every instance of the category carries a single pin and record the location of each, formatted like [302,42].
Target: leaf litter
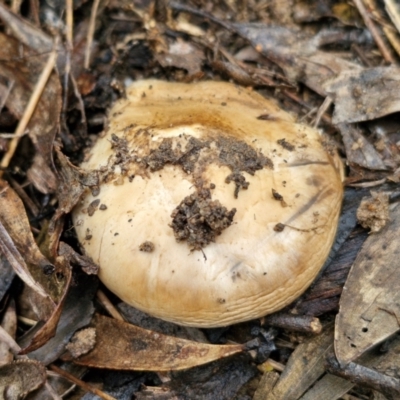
[268,49]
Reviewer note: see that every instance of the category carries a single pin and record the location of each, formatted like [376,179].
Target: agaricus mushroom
[215,207]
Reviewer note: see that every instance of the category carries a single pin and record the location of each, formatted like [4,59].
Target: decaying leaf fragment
[17,242]
[305,366]
[373,212]
[20,378]
[369,306]
[123,346]
[73,181]
[44,122]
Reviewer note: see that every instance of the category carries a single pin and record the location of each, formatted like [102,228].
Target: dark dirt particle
[102,207]
[276,195]
[286,145]
[239,180]
[48,269]
[266,117]
[95,191]
[147,246]
[279,227]
[199,220]
[93,206]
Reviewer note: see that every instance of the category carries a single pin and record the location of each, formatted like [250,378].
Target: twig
[322,110]
[89,40]
[182,7]
[51,391]
[386,54]
[298,323]
[69,17]
[29,110]
[9,341]
[359,374]
[109,306]
[80,383]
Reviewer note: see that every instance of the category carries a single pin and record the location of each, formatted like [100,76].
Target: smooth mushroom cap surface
[215,207]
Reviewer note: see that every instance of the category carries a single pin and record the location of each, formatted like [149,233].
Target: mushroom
[215,207]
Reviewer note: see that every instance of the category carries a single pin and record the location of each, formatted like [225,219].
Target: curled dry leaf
[366,94]
[14,226]
[86,263]
[123,346]
[44,123]
[49,282]
[20,378]
[73,181]
[359,150]
[76,312]
[369,306]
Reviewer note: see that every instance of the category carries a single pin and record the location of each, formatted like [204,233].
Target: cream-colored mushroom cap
[215,207]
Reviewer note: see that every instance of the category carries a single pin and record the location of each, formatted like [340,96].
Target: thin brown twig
[90,35]
[29,110]
[106,303]
[81,383]
[386,53]
[69,18]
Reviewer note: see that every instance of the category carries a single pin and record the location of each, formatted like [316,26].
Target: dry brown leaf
[49,283]
[76,312]
[183,55]
[20,378]
[23,72]
[48,329]
[123,346]
[304,367]
[369,306]
[16,237]
[359,93]
[363,95]
[15,221]
[297,54]
[24,31]
[9,324]
[358,150]
[73,181]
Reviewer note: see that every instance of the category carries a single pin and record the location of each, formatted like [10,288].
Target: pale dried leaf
[20,378]
[369,311]
[305,366]
[359,150]
[365,95]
